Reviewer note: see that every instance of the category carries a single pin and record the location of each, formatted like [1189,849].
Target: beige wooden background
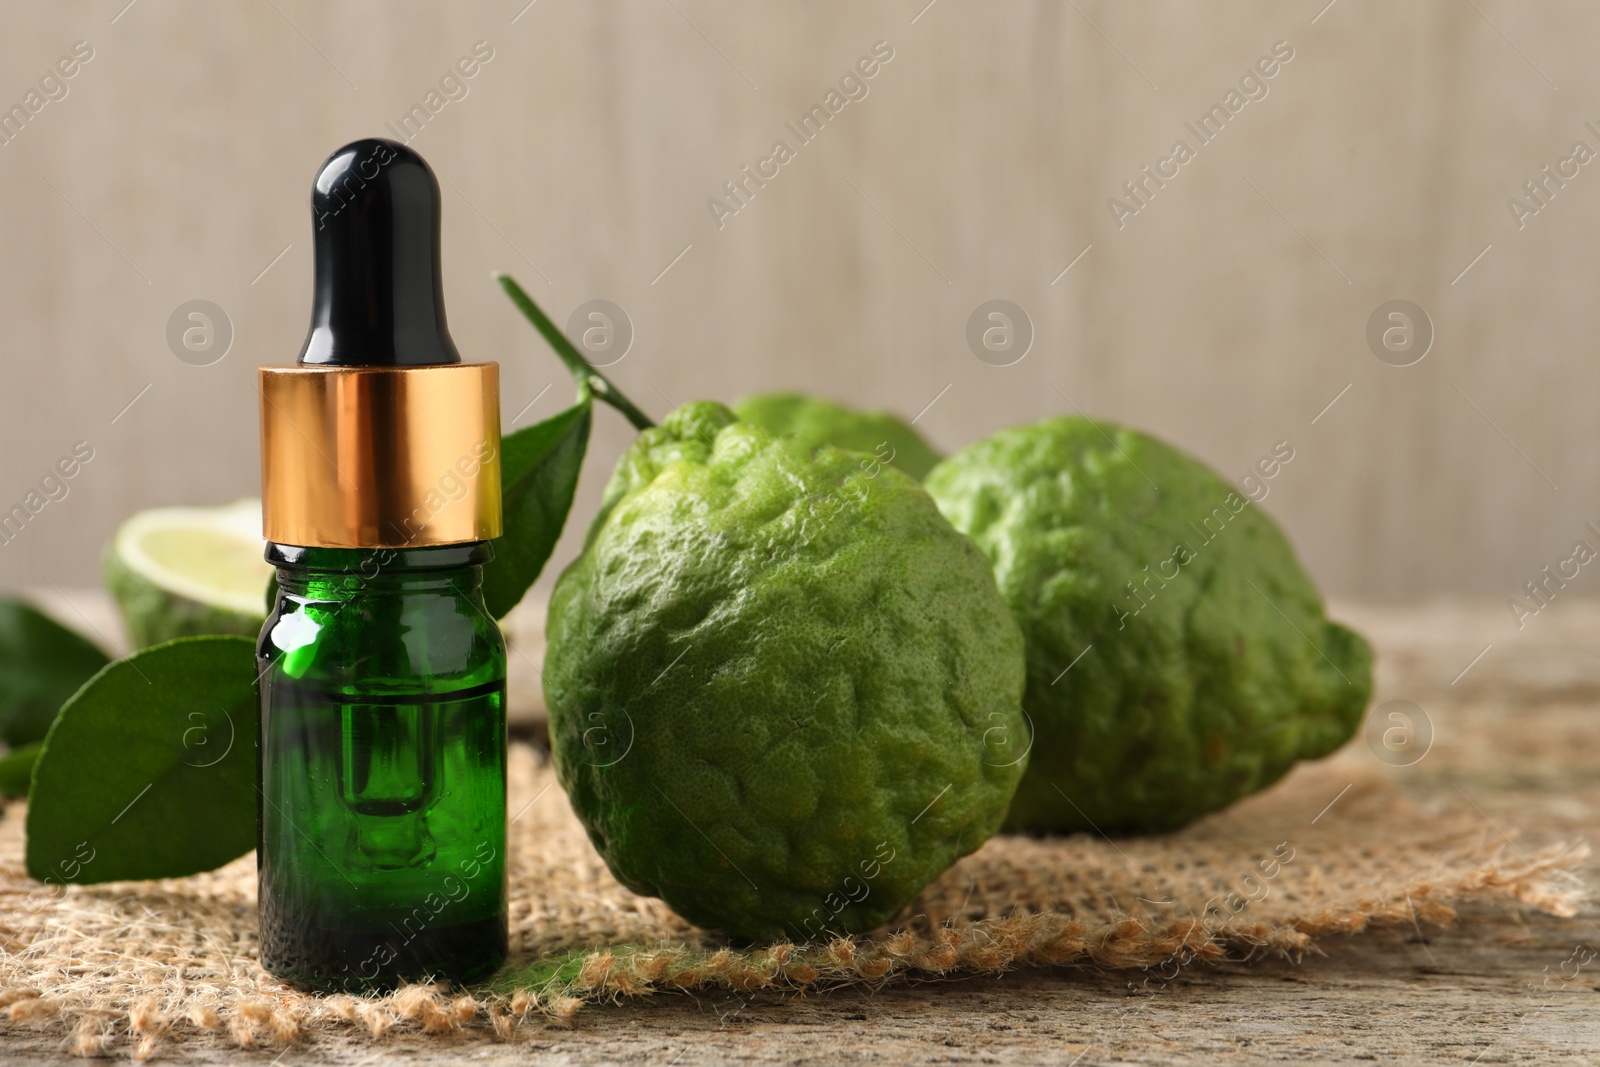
[1225,315]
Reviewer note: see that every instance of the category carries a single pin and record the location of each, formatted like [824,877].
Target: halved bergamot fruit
[187,571]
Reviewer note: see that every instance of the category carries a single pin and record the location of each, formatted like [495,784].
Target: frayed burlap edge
[992,946]
[551,992]
[130,968]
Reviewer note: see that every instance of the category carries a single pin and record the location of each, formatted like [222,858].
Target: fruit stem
[583,372]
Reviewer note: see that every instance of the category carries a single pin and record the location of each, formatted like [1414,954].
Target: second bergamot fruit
[813,421]
[784,692]
[1178,656]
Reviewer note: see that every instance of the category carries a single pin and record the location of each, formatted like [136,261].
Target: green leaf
[42,663]
[582,371]
[150,769]
[539,467]
[16,769]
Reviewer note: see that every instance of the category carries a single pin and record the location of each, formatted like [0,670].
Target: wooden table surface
[1515,717]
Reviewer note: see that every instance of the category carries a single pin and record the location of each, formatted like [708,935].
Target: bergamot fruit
[784,693]
[1178,656]
[814,421]
[190,571]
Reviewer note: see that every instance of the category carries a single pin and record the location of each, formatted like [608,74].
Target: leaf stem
[582,371]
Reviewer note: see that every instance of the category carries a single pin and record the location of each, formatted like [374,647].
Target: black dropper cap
[379,292]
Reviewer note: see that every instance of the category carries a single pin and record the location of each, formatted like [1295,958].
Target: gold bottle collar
[380,457]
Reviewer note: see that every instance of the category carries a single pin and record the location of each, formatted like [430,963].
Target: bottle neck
[345,572]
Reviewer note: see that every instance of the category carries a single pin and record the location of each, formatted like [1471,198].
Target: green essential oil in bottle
[383,738]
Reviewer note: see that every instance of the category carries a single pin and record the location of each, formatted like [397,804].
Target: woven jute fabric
[128,968]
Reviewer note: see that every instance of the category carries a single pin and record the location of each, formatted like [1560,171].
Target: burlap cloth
[124,968]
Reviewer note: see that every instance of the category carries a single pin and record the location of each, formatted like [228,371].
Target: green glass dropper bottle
[383,741]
